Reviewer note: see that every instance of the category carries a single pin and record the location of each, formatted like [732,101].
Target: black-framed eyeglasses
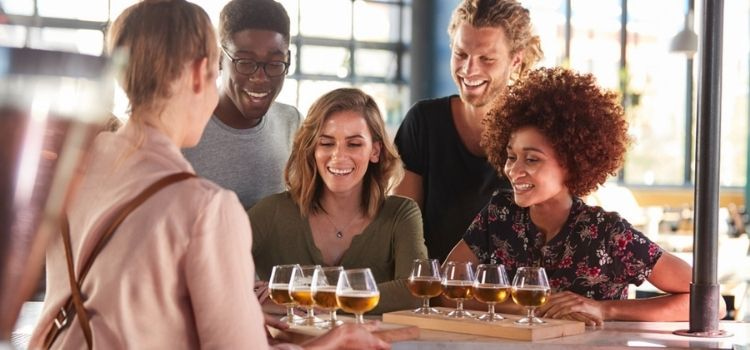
[247,66]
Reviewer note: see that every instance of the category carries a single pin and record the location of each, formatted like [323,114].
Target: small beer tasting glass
[458,278]
[530,290]
[357,292]
[424,282]
[281,275]
[491,287]
[300,288]
[324,282]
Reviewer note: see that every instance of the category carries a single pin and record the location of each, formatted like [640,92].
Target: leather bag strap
[74,304]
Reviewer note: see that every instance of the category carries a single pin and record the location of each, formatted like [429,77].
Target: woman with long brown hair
[336,210]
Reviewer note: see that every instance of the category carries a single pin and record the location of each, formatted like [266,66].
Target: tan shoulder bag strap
[74,304]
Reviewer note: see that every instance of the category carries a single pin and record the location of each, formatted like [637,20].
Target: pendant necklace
[339,232]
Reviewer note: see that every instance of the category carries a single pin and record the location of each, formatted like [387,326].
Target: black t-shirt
[456,184]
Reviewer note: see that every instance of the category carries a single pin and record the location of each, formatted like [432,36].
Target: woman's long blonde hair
[301,174]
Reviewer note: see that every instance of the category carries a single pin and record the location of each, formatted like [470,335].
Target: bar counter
[612,335]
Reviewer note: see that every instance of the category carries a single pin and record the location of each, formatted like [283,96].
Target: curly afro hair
[584,123]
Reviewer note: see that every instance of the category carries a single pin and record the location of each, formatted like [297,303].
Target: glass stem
[290,314]
[425,304]
[460,305]
[333,318]
[530,313]
[491,310]
[310,313]
[359,318]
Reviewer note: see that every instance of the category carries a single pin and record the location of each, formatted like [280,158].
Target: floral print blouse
[596,253]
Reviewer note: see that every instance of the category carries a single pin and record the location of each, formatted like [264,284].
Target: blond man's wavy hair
[301,174]
[509,15]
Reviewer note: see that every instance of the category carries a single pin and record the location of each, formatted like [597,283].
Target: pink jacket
[177,274]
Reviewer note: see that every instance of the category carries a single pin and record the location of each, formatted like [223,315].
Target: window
[654,80]
[365,45]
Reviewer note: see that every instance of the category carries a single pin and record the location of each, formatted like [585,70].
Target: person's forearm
[394,296]
[671,307]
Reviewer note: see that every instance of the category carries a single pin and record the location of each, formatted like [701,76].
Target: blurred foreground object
[51,106]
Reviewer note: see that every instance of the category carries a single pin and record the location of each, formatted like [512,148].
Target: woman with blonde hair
[336,210]
[176,273]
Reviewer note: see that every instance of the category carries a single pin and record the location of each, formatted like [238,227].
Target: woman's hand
[349,336]
[261,291]
[569,305]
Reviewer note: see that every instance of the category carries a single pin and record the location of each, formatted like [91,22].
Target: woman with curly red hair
[556,138]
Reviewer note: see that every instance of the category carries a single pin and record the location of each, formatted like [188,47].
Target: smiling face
[251,95]
[533,170]
[481,63]
[343,152]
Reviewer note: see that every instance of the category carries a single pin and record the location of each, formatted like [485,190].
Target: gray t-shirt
[251,161]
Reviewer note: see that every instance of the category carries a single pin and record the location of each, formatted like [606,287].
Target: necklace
[339,232]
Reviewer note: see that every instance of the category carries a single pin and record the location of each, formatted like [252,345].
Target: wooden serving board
[389,332]
[501,329]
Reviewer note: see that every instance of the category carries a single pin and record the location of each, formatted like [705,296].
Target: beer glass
[300,288]
[457,281]
[530,290]
[491,287]
[357,292]
[424,282]
[281,275]
[324,291]
[52,104]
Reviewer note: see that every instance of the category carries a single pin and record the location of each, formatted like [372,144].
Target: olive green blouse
[388,245]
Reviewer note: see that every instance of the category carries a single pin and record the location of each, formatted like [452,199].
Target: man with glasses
[248,139]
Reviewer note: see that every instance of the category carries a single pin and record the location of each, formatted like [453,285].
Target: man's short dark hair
[238,15]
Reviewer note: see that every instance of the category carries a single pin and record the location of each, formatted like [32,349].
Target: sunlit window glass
[311,90]
[377,63]
[13,36]
[548,20]
[326,18]
[325,60]
[18,7]
[84,41]
[288,94]
[595,39]
[90,10]
[735,91]
[655,94]
[376,21]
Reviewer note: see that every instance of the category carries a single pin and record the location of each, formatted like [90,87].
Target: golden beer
[358,302]
[457,289]
[302,296]
[424,287]
[530,297]
[490,293]
[325,298]
[280,294]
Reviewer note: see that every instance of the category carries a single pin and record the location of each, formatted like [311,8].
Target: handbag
[74,304]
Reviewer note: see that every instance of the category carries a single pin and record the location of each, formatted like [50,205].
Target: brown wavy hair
[160,37]
[584,123]
[301,174]
[509,15]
